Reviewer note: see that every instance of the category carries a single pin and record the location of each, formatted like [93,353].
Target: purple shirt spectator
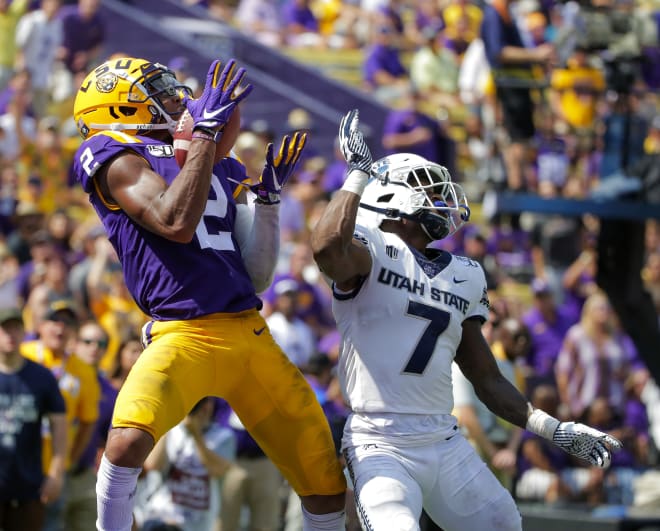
[297,12]
[81,35]
[385,58]
[334,175]
[103,424]
[404,121]
[559,460]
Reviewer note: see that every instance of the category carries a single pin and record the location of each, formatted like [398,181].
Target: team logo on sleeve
[484,298]
[392,252]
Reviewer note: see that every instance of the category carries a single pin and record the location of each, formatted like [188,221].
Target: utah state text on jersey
[391,278]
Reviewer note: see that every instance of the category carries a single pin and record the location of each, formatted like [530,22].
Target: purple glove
[222,93]
[277,171]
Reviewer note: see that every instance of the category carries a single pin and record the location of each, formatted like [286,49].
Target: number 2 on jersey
[438,323]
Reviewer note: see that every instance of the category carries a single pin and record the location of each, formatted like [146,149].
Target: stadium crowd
[502,93]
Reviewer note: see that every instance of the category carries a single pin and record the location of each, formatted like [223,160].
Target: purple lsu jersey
[167,279]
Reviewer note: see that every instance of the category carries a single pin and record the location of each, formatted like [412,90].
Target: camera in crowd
[612,30]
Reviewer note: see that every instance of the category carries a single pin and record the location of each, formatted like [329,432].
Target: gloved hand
[222,93]
[352,144]
[277,170]
[586,443]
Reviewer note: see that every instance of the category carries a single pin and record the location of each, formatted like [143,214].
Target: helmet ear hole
[127,111]
[385,198]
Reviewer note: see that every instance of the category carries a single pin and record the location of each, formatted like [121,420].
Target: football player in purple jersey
[406,312]
[193,255]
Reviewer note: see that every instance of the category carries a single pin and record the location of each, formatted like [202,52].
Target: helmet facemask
[405,186]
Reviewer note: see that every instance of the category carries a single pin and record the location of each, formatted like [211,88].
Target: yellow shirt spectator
[576,90]
[462,19]
[78,385]
[8,21]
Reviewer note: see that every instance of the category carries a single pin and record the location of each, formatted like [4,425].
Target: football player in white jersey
[405,312]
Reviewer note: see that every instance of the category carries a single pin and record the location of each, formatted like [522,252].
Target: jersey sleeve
[96,151]
[479,303]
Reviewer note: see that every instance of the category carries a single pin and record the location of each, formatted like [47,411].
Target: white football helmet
[408,186]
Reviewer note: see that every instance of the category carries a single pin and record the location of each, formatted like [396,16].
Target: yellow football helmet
[123,94]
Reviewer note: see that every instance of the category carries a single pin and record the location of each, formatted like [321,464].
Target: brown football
[182,137]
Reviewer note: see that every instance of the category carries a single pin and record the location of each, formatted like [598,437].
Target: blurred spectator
[312,304]
[547,324]
[261,19]
[128,353]
[39,35]
[110,302]
[427,19]
[29,395]
[84,34]
[290,332]
[651,278]
[579,280]
[595,359]
[625,467]
[10,13]
[335,171]
[511,64]
[78,384]
[547,474]
[188,461]
[80,505]
[576,90]
[434,70]
[52,285]
[383,71]
[253,482]
[463,20]
[17,128]
[28,222]
[552,162]
[410,130]
[9,296]
[300,25]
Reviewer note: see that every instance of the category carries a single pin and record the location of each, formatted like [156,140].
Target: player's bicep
[348,269]
[136,189]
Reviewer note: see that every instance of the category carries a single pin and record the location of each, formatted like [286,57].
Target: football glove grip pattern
[279,169]
[586,443]
[576,439]
[352,144]
[223,91]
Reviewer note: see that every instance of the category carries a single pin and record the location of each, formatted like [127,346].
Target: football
[182,137]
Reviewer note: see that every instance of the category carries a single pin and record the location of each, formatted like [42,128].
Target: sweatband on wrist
[356,182]
[210,131]
[542,424]
[203,135]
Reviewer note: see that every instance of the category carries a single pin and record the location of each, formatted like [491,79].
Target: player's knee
[321,504]
[128,447]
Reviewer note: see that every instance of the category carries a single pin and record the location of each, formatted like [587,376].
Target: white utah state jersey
[402,326]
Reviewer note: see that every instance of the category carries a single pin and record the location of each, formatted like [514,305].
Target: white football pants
[447,478]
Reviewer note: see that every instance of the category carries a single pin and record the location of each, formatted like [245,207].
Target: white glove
[576,439]
[352,144]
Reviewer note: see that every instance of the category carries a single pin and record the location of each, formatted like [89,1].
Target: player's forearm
[184,201]
[333,233]
[504,400]
[259,241]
